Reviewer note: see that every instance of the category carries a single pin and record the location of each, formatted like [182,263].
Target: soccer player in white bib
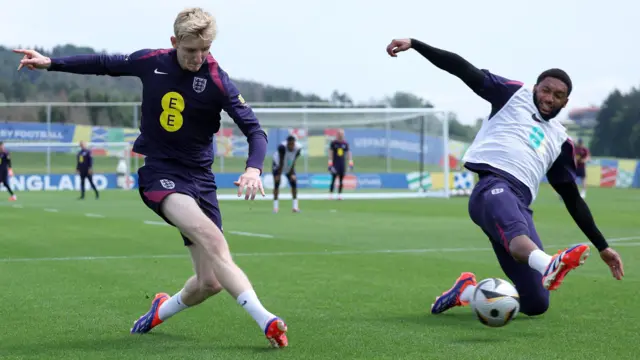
[284,162]
[518,144]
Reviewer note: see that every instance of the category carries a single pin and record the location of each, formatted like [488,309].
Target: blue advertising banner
[25,132]
[61,182]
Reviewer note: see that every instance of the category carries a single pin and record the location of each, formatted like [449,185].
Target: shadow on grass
[464,328]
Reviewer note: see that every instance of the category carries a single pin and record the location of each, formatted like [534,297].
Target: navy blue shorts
[4,176]
[274,172]
[500,211]
[581,172]
[338,170]
[157,180]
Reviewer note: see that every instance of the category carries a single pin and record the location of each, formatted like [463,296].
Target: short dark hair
[557,74]
[291,138]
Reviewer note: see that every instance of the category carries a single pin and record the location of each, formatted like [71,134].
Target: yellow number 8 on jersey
[172,106]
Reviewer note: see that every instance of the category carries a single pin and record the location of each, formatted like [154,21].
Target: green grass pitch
[84,279]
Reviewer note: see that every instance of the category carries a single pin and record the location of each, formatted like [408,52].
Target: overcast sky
[319,46]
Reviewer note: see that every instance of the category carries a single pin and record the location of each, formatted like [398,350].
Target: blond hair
[195,22]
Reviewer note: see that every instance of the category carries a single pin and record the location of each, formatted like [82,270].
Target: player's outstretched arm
[350,157]
[242,115]
[234,105]
[444,60]
[561,176]
[582,216]
[94,64]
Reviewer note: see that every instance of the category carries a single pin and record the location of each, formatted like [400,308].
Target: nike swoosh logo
[159,72]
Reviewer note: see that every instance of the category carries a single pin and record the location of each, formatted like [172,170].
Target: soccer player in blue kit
[184,91]
[516,147]
[84,168]
[338,154]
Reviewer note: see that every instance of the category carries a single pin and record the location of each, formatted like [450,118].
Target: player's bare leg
[294,193]
[553,268]
[194,291]
[276,192]
[163,306]
[214,265]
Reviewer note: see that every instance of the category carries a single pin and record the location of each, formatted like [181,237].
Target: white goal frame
[304,113]
[384,116]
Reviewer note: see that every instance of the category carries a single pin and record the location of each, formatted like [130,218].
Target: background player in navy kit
[84,167]
[338,155]
[6,171]
[500,201]
[184,91]
[284,162]
[582,157]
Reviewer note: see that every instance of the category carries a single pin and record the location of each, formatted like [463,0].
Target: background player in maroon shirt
[184,91]
[6,171]
[582,157]
[338,155]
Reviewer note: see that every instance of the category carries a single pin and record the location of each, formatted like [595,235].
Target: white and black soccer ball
[495,302]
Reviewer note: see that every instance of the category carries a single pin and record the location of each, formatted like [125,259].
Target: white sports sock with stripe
[539,260]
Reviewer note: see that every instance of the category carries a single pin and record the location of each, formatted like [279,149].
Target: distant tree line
[617,131]
[60,87]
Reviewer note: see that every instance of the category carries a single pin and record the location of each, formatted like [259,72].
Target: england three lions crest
[199,84]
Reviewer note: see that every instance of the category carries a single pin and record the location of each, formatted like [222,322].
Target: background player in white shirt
[284,162]
[517,145]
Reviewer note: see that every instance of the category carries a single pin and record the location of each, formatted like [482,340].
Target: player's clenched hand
[613,260]
[251,182]
[398,45]
[32,59]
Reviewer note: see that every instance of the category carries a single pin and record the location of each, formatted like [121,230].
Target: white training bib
[289,157]
[516,140]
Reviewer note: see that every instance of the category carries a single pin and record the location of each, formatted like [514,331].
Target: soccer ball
[495,302]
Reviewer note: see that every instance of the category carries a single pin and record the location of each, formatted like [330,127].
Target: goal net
[400,152]
[52,165]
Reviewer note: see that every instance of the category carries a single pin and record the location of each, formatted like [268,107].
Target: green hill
[40,86]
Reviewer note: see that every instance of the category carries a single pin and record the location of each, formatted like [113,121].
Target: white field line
[159,223]
[267,236]
[94,215]
[242,233]
[270,254]
[345,252]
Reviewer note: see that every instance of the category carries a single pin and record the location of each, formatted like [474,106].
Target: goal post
[393,149]
[52,165]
